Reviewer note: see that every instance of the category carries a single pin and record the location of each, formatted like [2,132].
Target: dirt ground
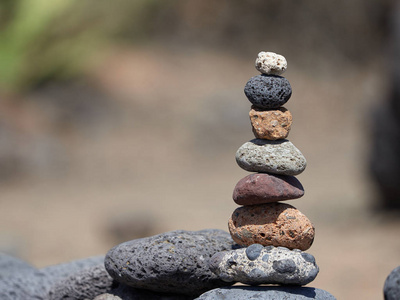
[161,158]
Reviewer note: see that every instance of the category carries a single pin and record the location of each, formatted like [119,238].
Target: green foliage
[45,40]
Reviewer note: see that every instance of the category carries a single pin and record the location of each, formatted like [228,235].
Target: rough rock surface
[125,292]
[172,262]
[107,296]
[271,224]
[271,63]
[266,293]
[35,283]
[86,284]
[263,188]
[10,266]
[270,124]
[265,265]
[268,91]
[276,157]
[391,289]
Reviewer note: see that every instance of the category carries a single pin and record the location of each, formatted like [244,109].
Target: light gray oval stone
[272,266]
[266,293]
[172,262]
[275,157]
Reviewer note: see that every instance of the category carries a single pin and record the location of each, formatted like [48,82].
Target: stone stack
[273,235]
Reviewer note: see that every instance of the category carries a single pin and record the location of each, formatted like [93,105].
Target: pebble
[275,224]
[265,265]
[391,289]
[172,262]
[85,284]
[266,293]
[263,188]
[271,63]
[270,124]
[268,91]
[276,157]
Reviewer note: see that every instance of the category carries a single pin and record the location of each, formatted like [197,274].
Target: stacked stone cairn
[265,245]
[273,235]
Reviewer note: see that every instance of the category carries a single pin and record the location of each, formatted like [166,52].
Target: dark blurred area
[121,119]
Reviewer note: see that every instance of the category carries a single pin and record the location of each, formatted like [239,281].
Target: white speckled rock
[271,63]
[265,265]
[275,157]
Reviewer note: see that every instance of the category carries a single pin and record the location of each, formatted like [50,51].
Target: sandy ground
[165,154]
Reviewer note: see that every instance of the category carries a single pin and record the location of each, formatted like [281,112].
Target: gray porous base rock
[266,293]
[86,284]
[31,283]
[275,157]
[172,262]
[124,292]
[265,265]
[268,91]
[391,289]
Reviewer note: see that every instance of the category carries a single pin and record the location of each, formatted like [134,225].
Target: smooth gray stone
[276,265]
[86,284]
[275,157]
[266,293]
[172,262]
[32,283]
[391,289]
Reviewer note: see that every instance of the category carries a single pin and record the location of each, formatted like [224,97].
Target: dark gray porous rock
[32,283]
[278,265]
[268,91]
[85,284]
[172,262]
[266,293]
[125,292]
[391,289]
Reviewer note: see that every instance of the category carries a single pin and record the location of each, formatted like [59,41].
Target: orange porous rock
[271,224]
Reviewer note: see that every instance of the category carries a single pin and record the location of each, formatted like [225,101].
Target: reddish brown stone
[264,188]
[271,224]
[270,124]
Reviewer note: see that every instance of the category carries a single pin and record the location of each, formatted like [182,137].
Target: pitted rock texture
[263,188]
[124,292]
[275,157]
[271,224]
[268,91]
[31,283]
[265,265]
[85,284]
[271,63]
[270,124]
[266,293]
[391,289]
[172,262]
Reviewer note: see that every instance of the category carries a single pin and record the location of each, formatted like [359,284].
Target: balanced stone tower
[273,235]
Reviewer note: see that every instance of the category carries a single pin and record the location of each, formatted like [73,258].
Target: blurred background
[121,119]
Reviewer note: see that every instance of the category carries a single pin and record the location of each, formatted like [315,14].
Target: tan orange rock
[270,124]
[271,224]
